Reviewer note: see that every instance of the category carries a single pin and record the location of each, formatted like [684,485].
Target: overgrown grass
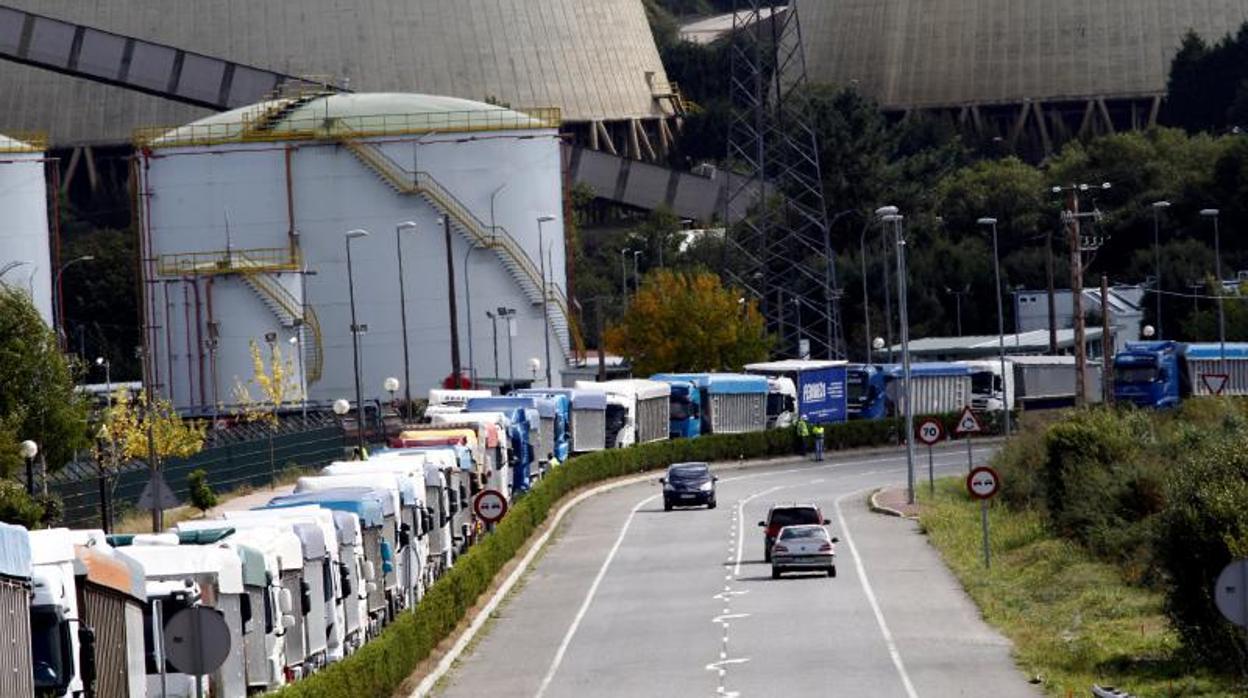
[1073,620]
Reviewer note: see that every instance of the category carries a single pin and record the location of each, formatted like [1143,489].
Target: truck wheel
[775,572]
[766,554]
[667,506]
[832,571]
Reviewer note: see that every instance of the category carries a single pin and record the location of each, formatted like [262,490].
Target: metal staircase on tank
[479,234]
[256,268]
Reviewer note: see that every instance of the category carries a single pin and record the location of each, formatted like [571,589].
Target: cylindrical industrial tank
[25,260]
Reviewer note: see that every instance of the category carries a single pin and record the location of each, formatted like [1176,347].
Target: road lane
[683,605]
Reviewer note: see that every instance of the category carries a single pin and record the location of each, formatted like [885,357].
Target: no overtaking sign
[490,506]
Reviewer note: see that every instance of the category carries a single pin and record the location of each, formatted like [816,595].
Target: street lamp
[545,293]
[1148,332]
[636,273]
[355,339]
[535,365]
[889,214]
[996,260]
[494,328]
[1217,255]
[108,377]
[60,298]
[882,212]
[877,344]
[29,449]
[507,314]
[391,385]
[1158,207]
[624,274]
[407,370]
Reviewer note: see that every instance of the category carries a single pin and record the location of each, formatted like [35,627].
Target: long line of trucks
[1161,374]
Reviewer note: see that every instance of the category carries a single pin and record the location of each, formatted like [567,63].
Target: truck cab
[991,390]
[685,406]
[866,391]
[57,649]
[1147,374]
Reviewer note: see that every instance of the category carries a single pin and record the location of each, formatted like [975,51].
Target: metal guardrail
[24,142]
[261,259]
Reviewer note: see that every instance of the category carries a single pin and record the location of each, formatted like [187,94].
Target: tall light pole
[636,272]
[407,370]
[996,261]
[1217,257]
[59,320]
[355,340]
[890,214]
[541,252]
[1158,207]
[624,274]
[507,314]
[472,363]
[888,294]
[494,326]
[866,295]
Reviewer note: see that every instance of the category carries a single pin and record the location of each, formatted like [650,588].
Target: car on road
[781,515]
[804,548]
[688,484]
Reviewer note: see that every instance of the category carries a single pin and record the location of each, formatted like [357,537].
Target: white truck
[638,410]
[443,401]
[112,595]
[55,622]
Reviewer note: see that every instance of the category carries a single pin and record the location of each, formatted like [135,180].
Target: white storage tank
[25,259]
[245,218]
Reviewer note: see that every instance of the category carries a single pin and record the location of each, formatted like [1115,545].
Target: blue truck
[716,403]
[866,387]
[520,436]
[1161,374]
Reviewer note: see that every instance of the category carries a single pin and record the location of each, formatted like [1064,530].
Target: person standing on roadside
[817,430]
[803,432]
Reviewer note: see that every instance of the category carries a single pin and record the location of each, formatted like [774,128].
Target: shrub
[382,665]
[202,495]
[17,507]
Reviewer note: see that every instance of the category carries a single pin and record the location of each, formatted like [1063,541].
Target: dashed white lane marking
[589,598]
[718,666]
[729,616]
[893,652]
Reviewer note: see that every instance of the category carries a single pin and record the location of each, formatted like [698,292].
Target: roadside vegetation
[1107,538]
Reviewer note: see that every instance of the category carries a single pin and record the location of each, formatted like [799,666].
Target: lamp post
[888,294]
[996,261]
[29,449]
[60,296]
[797,311]
[472,362]
[108,377]
[636,272]
[1158,207]
[624,274]
[494,328]
[866,296]
[890,214]
[545,292]
[391,385]
[355,340]
[1217,257]
[507,314]
[407,371]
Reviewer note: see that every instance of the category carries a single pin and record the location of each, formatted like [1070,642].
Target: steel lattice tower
[780,252]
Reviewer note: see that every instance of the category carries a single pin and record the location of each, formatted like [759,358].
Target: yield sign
[968,423]
[1215,383]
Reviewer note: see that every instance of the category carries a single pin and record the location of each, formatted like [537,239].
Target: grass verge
[1072,619]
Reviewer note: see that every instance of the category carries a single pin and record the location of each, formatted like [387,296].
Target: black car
[688,484]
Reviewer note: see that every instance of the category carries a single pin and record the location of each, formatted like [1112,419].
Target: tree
[202,496]
[688,321]
[275,385]
[37,396]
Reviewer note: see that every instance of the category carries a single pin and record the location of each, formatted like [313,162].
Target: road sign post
[931,431]
[968,424]
[983,483]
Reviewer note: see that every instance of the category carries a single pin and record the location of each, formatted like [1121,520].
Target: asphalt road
[630,600]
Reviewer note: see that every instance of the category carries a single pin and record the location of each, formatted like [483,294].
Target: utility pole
[1076,294]
[602,349]
[1048,271]
[888,297]
[1107,344]
[456,367]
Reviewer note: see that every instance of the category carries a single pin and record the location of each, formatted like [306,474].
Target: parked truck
[716,403]
[112,594]
[1161,374]
[820,389]
[16,650]
[61,644]
[937,387]
[866,390]
[642,410]
[1046,382]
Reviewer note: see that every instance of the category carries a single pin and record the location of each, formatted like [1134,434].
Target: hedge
[379,667]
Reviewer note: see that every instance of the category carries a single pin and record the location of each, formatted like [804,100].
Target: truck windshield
[681,408]
[1136,374]
[778,403]
[50,648]
[856,387]
[985,383]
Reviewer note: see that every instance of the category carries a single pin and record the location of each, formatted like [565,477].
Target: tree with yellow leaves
[140,428]
[275,385]
[689,321]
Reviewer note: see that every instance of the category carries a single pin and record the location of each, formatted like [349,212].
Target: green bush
[202,495]
[17,507]
[383,664]
[1205,527]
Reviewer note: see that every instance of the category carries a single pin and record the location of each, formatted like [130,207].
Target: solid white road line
[589,598]
[736,569]
[875,605]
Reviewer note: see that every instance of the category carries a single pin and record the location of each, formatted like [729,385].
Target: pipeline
[199,341]
[186,324]
[169,339]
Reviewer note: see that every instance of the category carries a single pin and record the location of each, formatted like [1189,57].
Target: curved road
[629,600]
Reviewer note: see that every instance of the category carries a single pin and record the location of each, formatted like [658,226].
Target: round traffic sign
[1231,592]
[197,640]
[931,431]
[490,505]
[983,482]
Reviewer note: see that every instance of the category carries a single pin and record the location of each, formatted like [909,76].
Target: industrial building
[595,61]
[1033,343]
[1126,317]
[1012,68]
[245,218]
[25,251]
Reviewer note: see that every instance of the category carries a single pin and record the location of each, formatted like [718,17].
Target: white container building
[245,218]
[25,257]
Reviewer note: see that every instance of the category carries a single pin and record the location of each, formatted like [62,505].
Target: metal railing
[264,259]
[23,142]
[266,125]
[313,359]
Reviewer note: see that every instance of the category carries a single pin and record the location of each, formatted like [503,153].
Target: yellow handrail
[228,261]
[291,306]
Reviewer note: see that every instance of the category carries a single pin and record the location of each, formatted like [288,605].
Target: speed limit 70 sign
[930,431]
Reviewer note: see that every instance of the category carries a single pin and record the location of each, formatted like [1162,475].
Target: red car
[781,515]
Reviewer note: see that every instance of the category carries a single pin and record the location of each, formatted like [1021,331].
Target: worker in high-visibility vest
[817,430]
[803,432]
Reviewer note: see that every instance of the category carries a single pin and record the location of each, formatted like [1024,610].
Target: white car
[804,548]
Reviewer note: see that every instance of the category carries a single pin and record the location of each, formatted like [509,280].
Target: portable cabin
[16,650]
[218,574]
[111,598]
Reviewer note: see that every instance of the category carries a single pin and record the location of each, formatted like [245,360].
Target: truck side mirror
[662,481]
[305,596]
[762,523]
[86,658]
[286,601]
[344,578]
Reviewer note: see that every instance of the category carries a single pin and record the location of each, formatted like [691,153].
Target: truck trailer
[643,410]
[820,388]
[716,403]
[16,651]
[1161,374]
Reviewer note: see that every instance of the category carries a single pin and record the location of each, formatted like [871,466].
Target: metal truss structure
[780,252]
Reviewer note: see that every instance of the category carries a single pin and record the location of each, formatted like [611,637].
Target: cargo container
[1044,382]
[111,597]
[937,387]
[16,649]
[642,410]
[819,387]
